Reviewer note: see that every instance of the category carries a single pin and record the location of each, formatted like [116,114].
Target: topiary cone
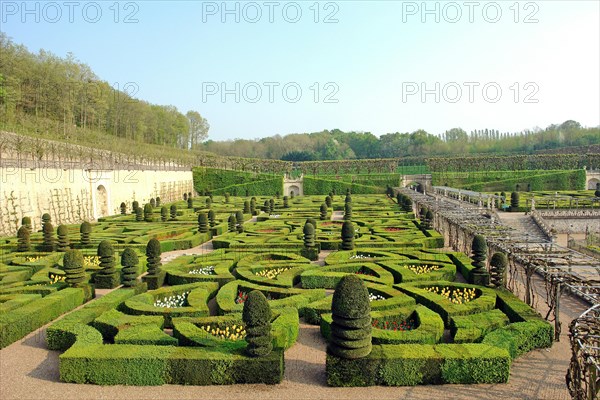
[153,256]
[129,262]
[257,318]
[73,266]
[347,235]
[351,313]
[63,238]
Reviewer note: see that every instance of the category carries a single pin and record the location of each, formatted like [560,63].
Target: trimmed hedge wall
[19,322]
[127,364]
[316,186]
[221,181]
[415,364]
[73,327]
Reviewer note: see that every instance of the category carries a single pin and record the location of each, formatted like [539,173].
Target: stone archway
[101,201]
[591,185]
[293,189]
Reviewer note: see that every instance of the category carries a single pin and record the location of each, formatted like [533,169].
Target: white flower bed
[209,270]
[374,297]
[274,216]
[174,301]
[361,257]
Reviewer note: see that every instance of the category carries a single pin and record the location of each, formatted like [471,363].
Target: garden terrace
[183,332]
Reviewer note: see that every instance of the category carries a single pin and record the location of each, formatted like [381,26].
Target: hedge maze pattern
[184,324]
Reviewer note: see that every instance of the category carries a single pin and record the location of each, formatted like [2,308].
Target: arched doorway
[293,189]
[592,183]
[102,201]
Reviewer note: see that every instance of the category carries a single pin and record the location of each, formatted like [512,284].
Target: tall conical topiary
[253,206]
[134,206]
[428,220]
[271,206]
[108,277]
[48,233]
[148,211]
[157,201]
[239,221]
[190,203]
[227,197]
[257,318]
[164,213]
[498,264]
[63,238]
[153,256]
[246,207]
[85,230]
[347,235]
[323,212]
[286,203]
[312,221]
[347,211]
[328,201]
[211,218]
[266,206]
[309,235]
[208,202]
[139,214]
[400,199]
[351,313]
[23,242]
[173,212]
[231,223]
[73,265]
[202,222]
[185,197]
[129,262]
[152,203]
[514,201]
[479,251]
[26,222]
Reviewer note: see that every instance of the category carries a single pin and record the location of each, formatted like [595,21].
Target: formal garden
[393,305]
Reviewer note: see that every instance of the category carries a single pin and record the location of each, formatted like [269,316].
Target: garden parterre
[427,327]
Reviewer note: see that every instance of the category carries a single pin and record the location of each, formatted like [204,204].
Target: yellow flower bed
[455,295]
[422,269]
[91,261]
[236,332]
[271,273]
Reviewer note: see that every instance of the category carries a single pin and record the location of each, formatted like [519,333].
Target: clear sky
[256,69]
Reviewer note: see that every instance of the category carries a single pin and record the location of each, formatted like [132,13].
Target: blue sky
[378,66]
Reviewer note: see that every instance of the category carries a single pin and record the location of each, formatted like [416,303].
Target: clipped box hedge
[418,364]
[127,364]
[19,322]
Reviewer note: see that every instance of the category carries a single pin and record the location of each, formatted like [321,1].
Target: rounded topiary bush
[63,238]
[323,212]
[246,207]
[271,206]
[406,204]
[312,221]
[157,201]
[253,206]
[231,223]
[85,230]
[129,261]
[139,214]
[428,223]
[153,256]
[26,222]
[134,206]
[286,203]
[309,235]
[348,211]
[164,214]
[265,207]
[23,242]
[123,208]
[351,314]
[185,197]
[173,212]
[211,218]
[208,202]
[479,251]
[153,203]
[48,235]
[239,221]
[106,253]
[257,318]
[148,210]
[498,264]
[347,235]
[328,201]
[202,222]
[73,266]
[190,203]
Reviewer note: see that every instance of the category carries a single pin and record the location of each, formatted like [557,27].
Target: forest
[47,96]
